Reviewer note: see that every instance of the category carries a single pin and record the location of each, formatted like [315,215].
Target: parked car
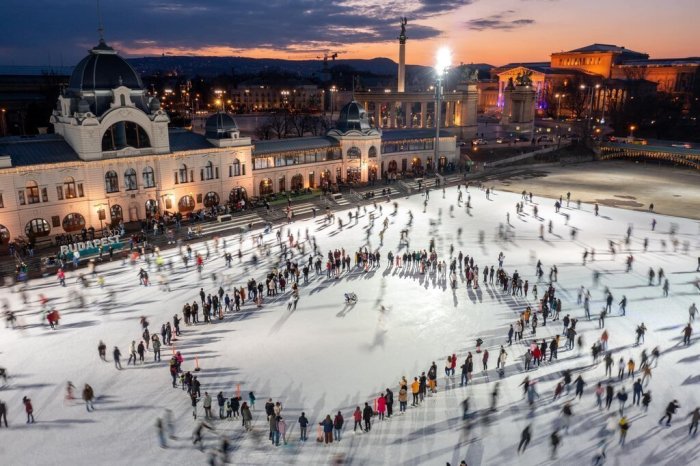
[479,142]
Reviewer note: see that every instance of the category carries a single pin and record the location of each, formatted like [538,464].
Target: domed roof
[103,69]
[353,117]
[220,126]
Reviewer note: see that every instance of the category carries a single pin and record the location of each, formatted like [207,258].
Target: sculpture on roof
[524,78]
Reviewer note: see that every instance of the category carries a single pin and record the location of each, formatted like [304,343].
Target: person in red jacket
[357,416]
[337,426]
[29,409]
[381,406]
[454,363]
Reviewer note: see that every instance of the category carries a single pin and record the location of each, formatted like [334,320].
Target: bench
[224,218]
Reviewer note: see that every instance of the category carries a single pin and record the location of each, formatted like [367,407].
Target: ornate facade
[113,158]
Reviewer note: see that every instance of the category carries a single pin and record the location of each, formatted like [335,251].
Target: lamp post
[632,128]
[101,214]
[442,63]
[558,96]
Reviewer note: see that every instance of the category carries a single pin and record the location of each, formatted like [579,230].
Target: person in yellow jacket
[415,390]
[624,427]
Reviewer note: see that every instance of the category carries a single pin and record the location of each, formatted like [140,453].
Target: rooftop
[34,150]
[406,134]
[293,144]
[593,48]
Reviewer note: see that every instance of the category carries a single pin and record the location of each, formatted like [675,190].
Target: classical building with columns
[113,158]
[417,109]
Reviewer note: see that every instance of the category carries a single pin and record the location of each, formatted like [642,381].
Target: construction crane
[326,56]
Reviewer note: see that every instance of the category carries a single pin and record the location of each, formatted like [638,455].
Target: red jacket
[454,360]
[381,404]
[357,415]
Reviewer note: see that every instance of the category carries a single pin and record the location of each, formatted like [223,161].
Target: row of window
[403,146]
[40,227]
[33,194]
[579,61]
[130,182]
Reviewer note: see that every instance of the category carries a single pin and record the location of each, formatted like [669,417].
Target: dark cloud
[32,31]
[500,21]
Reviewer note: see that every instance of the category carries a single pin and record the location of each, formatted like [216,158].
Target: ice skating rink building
[113,158]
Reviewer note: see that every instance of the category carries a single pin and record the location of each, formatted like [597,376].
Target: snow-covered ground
[327,356]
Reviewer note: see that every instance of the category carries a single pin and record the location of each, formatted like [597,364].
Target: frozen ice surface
[327,356]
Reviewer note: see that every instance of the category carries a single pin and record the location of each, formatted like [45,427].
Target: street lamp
[443,60]
[632,128]
[558,96]
[101,214]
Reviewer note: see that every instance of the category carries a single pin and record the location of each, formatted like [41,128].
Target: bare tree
[264,131]
[278,123]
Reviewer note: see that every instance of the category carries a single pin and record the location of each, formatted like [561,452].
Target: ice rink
[327,356]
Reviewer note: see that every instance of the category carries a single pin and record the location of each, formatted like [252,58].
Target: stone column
[378,114]
[423,112]
[448,114]
[392,114]
[406,110]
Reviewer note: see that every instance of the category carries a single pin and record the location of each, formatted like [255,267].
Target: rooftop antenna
[100,29]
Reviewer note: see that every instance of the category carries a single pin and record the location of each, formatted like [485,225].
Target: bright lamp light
[443,59]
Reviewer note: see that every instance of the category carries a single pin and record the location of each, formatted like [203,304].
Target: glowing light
[443,60]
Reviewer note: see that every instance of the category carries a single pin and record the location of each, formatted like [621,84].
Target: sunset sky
[490,31]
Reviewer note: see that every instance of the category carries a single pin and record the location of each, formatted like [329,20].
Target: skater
[692,430]
[524,439]
[116,354]
[367,417]
[303,427]
[670,411]
[357,417]
[161,433]
[624,427]
[88,396]
[29,409]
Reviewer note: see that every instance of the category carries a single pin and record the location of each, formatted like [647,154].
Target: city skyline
[476,31]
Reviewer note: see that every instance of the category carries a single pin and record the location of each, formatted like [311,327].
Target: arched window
[149,179]
[354,153]
[151,208]
[69,188]
[297,182]
[237,195]
[236,168]
[266,187]
[37,227]
[125,134]
[73,222]
[32,192]
[4,235]
[111,182]
[182,173]
[186,204]
[209,171]
[211,199]
[116,213]
[372,152]
[130,179]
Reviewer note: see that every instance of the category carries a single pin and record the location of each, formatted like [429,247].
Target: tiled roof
[293,144]
[33,150]
[182,140]
[605,48]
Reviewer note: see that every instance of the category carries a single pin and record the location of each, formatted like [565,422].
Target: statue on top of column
[524,79]
[402,36]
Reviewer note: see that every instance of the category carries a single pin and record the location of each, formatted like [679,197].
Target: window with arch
[125,134]
[266,187]
[111,182]
[372,152]
[69,188]
[235,168]
[186,204]
[353,153]
[149,179]
[297,182]
[151,208]
[37,227]
[32,192]
[211,199]
[73,222]
[116,213]
[209,171]
[130,180]
[182,174]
